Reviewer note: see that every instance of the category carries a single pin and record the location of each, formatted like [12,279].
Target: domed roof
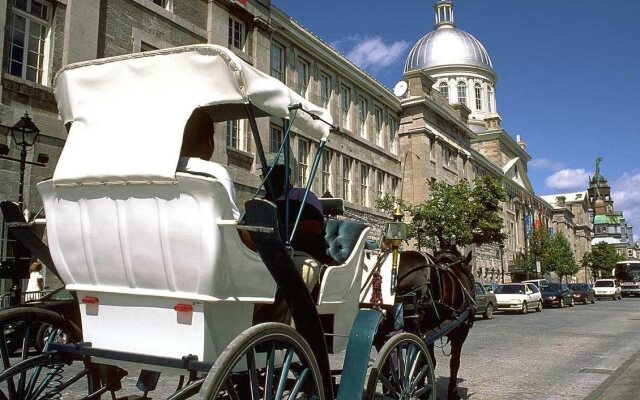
[447,46]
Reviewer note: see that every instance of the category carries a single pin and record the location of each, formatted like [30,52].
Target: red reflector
[90,300]
[183,307]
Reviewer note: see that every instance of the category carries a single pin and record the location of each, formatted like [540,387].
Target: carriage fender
[356,359]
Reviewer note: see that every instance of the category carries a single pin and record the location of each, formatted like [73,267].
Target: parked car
[583,293]
[607,288]
[557,294]
[518,297]
[486,302]
[490,287]
[538,282]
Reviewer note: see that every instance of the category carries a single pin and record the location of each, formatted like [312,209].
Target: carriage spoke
[25,353]
[417,379]
[231,390]
[284,373]
[4,352]
[253,374]
[301,379]
[36,372]
[427,388]
[268,387]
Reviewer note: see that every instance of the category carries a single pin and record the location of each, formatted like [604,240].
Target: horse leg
[457,338]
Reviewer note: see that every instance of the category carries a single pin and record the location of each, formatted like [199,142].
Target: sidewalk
[624,384]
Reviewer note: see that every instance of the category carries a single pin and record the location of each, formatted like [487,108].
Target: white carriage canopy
[128,113]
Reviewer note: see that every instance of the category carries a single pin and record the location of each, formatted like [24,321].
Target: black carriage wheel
[26,373]
[267,361]
[402,370]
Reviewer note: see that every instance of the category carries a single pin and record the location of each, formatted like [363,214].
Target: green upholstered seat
[341,237]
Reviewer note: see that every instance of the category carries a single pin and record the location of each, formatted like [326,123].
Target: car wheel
[585,300]
[593,301]
[539,308]
[488,313]
[525,307]
[561,303]
[573,303]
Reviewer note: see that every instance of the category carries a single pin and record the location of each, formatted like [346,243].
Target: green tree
[538,248]
[560,257]
[601,259]
[459,215]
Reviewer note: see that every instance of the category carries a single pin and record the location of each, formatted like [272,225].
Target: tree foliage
[560,258]
[601,259]
[538,249]
[459,215]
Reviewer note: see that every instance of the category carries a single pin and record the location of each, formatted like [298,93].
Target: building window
[30,29]
[362,117]
[449,156]
[462,93]
[236,33]
[379,184]
[432,149]
[346,178]
[364,185]
[478,90]
[490,100]
[393,135]
[303,161]
[327,158]
[302,72]
[444,89]
[235,134]
[325,90]
[275,138]
[378,122]
[166,4]
[394,187]
[345,102]
[277,61]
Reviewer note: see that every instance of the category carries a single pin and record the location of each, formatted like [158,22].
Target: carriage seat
[345,245]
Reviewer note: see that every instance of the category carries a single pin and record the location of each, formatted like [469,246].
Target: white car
[607,288]
[518,297]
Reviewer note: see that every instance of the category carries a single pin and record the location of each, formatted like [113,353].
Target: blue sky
[568,75]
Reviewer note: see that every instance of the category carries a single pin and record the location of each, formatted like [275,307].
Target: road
[556,354]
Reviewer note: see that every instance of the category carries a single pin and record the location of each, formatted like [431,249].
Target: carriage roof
[128,113]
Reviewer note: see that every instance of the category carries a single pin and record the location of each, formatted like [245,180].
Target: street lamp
[501,246]
[24,134]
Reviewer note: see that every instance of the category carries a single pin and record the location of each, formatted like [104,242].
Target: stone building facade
[427,133]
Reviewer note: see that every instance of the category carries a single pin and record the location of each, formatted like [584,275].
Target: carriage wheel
[250,367]
[402,370]
[26,373]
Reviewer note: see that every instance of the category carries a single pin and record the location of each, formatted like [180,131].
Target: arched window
[462,93]
[444,89]
[478,90]
[490,100]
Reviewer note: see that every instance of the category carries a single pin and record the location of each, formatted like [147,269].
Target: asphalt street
[585,352]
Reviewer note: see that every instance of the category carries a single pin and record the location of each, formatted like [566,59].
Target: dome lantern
[444,14]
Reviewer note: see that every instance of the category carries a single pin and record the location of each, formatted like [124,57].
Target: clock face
[400,89]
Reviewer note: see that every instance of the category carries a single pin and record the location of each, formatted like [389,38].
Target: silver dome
[448,46]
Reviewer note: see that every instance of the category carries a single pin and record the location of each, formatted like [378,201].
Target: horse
[440,290]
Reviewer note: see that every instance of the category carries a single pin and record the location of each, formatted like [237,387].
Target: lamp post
[24,134]
[501,246]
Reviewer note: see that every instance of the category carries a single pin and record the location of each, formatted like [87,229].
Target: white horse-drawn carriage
[161,275]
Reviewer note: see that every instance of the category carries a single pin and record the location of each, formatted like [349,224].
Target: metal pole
[23,159]
[502,262]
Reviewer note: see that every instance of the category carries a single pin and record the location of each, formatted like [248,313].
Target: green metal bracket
[356,359]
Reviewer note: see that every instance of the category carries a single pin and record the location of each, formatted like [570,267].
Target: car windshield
[578,287]
[510,289]
[604,284]
[552,287]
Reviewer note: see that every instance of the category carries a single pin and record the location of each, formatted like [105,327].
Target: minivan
[538,282]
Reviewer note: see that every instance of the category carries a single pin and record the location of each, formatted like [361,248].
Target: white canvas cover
[128,113]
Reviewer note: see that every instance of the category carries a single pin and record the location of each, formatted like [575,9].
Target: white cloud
[568,179]
[626,196]
[543,163]
[373,52]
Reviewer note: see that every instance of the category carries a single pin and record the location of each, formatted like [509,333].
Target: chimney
[520,143]
[560,201]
